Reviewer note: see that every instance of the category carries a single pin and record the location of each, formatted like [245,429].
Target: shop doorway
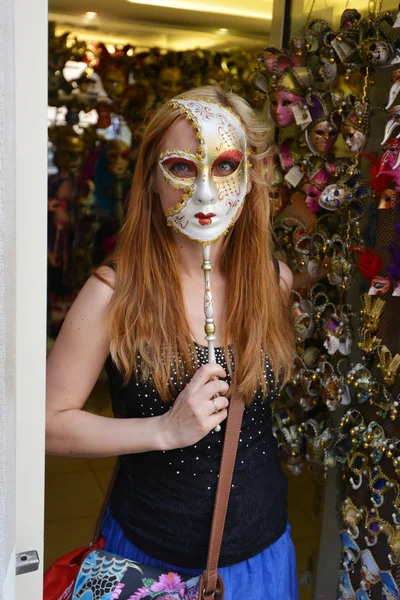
[179,48]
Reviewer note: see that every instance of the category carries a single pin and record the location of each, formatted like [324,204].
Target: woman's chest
[140,399]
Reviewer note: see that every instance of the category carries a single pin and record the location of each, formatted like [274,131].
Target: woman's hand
[193,415]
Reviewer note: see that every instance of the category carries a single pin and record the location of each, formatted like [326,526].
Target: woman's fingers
[216,387]
[204,375]
[217,404]
[217,418]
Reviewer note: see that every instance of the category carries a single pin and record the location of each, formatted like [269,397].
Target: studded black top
[164,500]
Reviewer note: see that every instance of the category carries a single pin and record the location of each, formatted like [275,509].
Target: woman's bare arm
[73,367]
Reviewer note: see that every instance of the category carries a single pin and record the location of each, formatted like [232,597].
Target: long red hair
[147,302]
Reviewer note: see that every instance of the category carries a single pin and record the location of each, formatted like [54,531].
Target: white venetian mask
[214,181]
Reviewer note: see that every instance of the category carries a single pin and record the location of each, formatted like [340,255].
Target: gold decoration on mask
[371,312]
[388,364]
[184,153]
[351,516]
[368,342]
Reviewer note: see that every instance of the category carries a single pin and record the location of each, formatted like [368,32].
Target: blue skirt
[270,575]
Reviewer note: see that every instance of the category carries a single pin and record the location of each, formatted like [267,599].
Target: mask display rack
[338,217]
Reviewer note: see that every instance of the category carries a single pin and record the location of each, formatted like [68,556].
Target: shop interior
[110,65]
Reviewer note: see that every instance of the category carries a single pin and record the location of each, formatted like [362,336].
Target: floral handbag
[105,576]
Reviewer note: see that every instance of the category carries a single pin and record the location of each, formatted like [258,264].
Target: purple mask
[321,137]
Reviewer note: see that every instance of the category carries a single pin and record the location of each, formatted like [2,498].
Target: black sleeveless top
[164,500]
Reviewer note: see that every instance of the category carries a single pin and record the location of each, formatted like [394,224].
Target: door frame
[23,282]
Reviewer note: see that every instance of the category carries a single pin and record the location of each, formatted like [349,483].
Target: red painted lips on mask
[204,219]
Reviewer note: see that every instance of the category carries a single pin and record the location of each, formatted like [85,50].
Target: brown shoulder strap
[210,584]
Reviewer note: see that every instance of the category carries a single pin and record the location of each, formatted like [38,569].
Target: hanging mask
[169,83]
[115,82]
[58,55]
[388,172]
[394,90]
[389,199]
[114,72]
[316,181]
[328,70]
[329,64]
[376,48]
[281,107]
[390,138]
[346,39]
[118,158]
[350,187]
[338,336]
[321,137]
[334,197]
[378,52]
[323,132]
[284,83]
[279,194]
[70,152]
[313,194]
[357,125]
[350,551]
[380,286]
[214,182]
[354,138]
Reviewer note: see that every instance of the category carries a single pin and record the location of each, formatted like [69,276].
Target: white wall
[7,304]
[30,46]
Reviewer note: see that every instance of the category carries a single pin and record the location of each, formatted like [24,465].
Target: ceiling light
[201,6]
[90,15]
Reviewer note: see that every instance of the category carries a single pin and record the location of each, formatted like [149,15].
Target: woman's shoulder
[285,275]
[106,274]
[96,294]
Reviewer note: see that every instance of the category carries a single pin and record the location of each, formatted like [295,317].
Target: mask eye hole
[227,163]
[286,103]
[180,167]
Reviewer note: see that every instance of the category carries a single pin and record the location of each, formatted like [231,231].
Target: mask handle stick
[209,327]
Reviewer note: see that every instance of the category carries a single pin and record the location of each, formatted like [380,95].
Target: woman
[144,317]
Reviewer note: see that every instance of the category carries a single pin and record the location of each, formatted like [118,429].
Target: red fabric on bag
[59,579]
